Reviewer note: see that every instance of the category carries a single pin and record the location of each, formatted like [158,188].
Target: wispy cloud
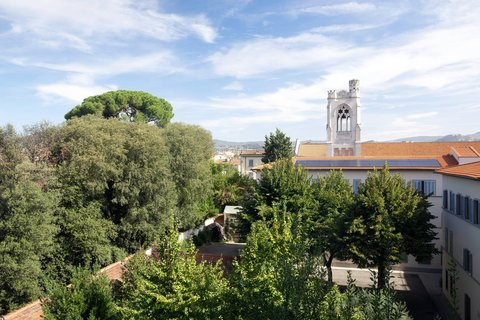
[340,8]
[73,89]
[79,23]
[233,86]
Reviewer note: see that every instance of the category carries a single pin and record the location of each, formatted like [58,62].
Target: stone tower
[344,122]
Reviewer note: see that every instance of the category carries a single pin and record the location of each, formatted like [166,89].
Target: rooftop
[469,170]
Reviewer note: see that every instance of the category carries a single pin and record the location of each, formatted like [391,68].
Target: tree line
[90,191]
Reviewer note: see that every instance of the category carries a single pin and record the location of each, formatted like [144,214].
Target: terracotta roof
[469,170]
[414,148]
[466,152]
[252,152]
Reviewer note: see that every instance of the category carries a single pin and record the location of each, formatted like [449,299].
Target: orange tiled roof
[398,150]
[469,170]
[467,152]
[251,152]
[414,148]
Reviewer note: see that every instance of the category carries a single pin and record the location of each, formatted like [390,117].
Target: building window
[343,119]
[467,261]
[475,211]
[445,199]
[467,309]
[250,163]
[452,202]
[458,204]
[356,185]
[425,187]
[467,207]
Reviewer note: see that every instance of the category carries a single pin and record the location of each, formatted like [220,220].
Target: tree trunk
[381,274]
[328,264]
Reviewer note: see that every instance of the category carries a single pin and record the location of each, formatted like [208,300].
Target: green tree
[229,186]
[190,148]
[38,141]
[174,286]
[282,183]
[121,168]
[128,105]
[330,218]
[386,214]
[276,277]
[87,297]
[277,146]
[26,223]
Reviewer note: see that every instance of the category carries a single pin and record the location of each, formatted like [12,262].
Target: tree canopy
[277,146]
[136,106]
[390,219]
[330,217]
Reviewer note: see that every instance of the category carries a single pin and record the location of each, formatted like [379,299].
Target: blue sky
[242,68]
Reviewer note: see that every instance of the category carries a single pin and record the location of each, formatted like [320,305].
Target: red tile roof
[469,170]
[401,150]
[467,152]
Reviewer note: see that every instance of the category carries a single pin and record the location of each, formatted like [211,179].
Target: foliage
[362,304]
[385,210]
[86,237]
[230,187]
[277,146]
[276,278]
[38,141]
[26,223]
[174,287]
[87,297]
[191,149]
[127,105]
[282,183]
[330,219]
[121,168]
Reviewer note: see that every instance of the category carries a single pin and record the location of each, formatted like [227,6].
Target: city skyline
[242,68]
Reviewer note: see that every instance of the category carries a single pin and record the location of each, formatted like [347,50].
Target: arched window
[343,119]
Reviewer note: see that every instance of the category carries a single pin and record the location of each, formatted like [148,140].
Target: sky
[241,68]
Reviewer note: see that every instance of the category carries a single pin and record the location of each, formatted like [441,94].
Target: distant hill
[221,145]
[447,138]
[230,145]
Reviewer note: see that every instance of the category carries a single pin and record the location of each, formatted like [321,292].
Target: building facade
[461,240]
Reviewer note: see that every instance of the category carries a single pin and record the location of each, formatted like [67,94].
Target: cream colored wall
[436,201]
[465,235]
[244,159]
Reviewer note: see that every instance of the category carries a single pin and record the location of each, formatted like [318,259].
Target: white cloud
[73,89]
[82,22]
[341,8]
[422,115]
[265,55]
[233,86]
[150,63]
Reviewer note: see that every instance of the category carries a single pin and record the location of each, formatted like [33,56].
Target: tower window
[343,119]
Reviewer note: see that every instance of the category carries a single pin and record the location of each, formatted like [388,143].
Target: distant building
[250,159]
[461,236]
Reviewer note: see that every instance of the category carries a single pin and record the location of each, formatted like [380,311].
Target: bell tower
[343,121]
